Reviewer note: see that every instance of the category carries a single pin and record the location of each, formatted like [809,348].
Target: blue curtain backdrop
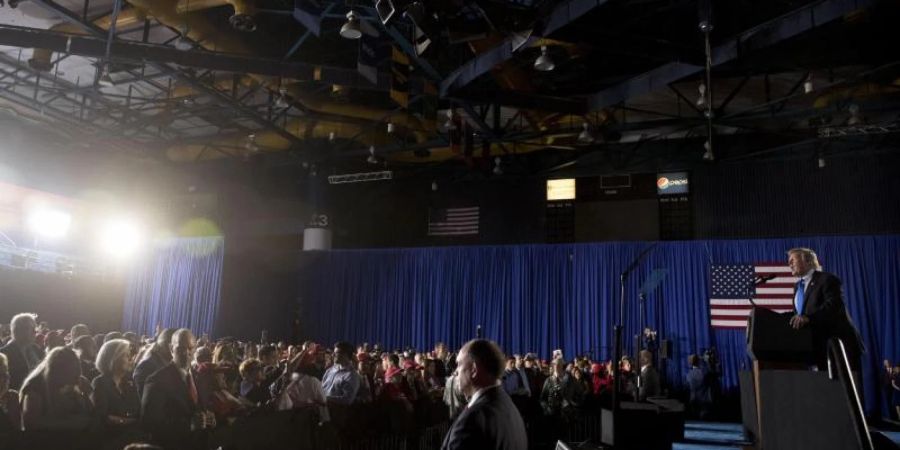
[177,285]
[542,297]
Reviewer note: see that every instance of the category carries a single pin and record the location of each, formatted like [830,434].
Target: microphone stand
[617,337]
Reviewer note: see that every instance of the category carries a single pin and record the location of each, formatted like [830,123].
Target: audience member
[698,389]
[22,354]
[556,394]
[169,408]
[79,330]
[87,354]
[341,382]
[10,412]
[252,384]
[115,397]
[648,381]
[51,396]
[158,356]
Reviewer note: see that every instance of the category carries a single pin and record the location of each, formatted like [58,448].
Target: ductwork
[42,59]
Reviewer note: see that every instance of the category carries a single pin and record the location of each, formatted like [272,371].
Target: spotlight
[183,43]
[351,29]
[586,136]
[497,169]
[251,144]
[544,62]
[390,127]
[105,80]
[49,223]
[808,84]
[434,186]
[282,101]
[372,159]
[449,124]
[701,100]
[854,114]
[821,162]
[331,136]
[708,155]
[121,238]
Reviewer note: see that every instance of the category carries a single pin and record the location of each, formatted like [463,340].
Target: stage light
[372,159]
[497,169]
[854,115]
[49,223]
[121,238]
[708,155]
[105,80]
[351,29]
[701,99]
[586,136]
[434,186]
[808,84]
[544,62]
[821,162]
[282,101]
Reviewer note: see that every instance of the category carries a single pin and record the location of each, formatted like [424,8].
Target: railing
[839,368]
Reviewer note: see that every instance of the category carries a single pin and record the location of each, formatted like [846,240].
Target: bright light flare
[121,238]
[49,223]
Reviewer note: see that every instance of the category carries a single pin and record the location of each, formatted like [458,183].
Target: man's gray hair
[21,321]
[808,255]
[110,353]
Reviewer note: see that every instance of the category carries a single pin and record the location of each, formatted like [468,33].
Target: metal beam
[761,36]
[561,16]
[95,47]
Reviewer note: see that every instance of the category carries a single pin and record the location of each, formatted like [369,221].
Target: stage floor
[726,436]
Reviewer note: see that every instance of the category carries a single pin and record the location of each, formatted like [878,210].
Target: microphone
[764,278]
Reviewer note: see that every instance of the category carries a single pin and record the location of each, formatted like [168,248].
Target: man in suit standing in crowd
[648,380]
[490,420]
[21,352]
[819,304]
[170,408]
[157,357]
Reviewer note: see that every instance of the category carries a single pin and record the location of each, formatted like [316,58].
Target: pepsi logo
[662,183]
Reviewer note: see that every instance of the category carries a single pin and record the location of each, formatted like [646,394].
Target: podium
[786,405]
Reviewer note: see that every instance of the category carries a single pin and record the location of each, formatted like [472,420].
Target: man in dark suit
[157,357]
[21,352]
[648,380]
[490,420]
[819,304]
[169,407]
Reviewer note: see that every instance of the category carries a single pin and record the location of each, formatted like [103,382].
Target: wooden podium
[786,405]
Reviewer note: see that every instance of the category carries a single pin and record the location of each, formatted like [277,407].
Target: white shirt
[479,393]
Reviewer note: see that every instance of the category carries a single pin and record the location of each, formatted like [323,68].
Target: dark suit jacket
[18,368]
[649,384]
[823,304]
[167,408]
[151,363]
[491,423]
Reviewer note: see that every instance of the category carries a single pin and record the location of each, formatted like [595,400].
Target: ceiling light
[282,101]
[586,136]
[390,127]
[854,114]
[434,186]
[184,44]
[821,162]
[708,155]
[450,124]
[808,84]
[331,136]
[372,159]
[351,29]
[701,100]
[105,80]
[544,62]
[497,169]
[251,144]
[50,224]
[385,10]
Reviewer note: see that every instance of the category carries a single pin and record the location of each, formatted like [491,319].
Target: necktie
[798,297]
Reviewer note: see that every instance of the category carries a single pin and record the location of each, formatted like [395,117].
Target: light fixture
[390,127]
[183,43]
[351,29]
[434,186]
[708,155]
[49,223]
[450,124]
[282,101]
[701,100]
[586,136]
[331,136]
[372,159]
[121,238]
[544,62]
[821,162]
[854,114]
[808,84]
[251,144]
[385,10]
[105,80]
[497,169]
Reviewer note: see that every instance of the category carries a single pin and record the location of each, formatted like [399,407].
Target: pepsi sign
[672,183]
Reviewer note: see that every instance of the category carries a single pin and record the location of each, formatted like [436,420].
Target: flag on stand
[453,221]
[732,284]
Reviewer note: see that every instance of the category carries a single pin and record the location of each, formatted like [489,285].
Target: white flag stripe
[451,228]
[759,301]
[730,323]
[741,312]
[765,290]
[763,269]
[454,224]
[791,280]
[451,233]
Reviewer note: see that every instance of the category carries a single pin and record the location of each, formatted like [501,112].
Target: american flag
[453,221]
[731,285]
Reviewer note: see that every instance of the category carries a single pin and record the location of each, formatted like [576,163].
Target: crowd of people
[76,389]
